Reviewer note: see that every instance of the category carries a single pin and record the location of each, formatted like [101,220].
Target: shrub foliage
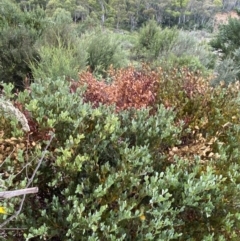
[141,155]
[126,88]
[228,44]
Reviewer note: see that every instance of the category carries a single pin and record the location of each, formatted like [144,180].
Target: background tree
[119,13]
[19,32]
[30,5]
[187,13]
[227,40]
[53,5]
[227,43]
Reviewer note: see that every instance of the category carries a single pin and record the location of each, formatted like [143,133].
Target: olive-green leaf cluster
[125,175]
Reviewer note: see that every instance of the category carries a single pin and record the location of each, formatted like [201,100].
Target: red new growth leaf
[129,88]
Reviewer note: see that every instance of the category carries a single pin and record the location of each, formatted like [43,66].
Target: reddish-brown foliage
[129,88]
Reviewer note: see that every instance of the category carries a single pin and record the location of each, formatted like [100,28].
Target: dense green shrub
[101,133]
[89,24]
[190,51]
[60,51]
[68,54]
[153,41]
[227,71]
[60,28]
[16,49]
[171,48]
[133,174]
[140,155]
[18,34]
[227,42]
[228,38]
[104,50]
[59,61]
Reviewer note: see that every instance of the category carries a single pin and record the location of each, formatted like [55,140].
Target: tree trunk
[103,12]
